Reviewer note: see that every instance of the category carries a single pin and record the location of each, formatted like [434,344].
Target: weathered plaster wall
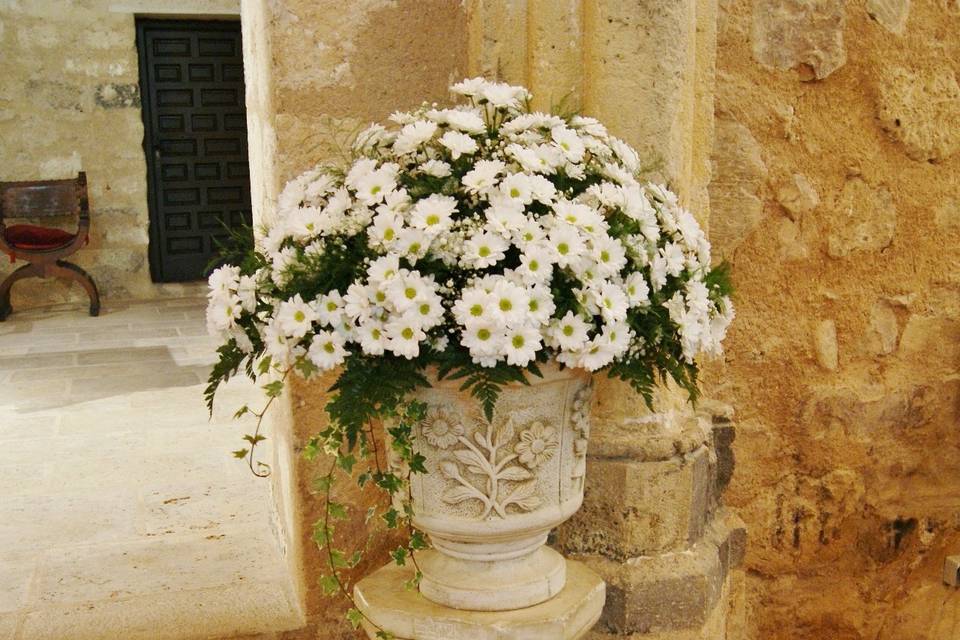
[70,101]
[837,198]
[317,72]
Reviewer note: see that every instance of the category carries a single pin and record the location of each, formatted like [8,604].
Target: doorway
[195,141]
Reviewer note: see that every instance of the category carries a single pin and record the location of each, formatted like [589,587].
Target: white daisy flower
[385,230]
[330,308]
[295,317]
[568,246]
[611,300]
[433,214]
[638,293]
[510,302]
[516,186]
[568,333]
[404,336]
[483,176]
[373,338]
[374,186]
[536,265]
[484,249]
[436,168]
[459,144]
[540,308]
[473,306]
[520,345]
[326,350]
[483,340]
[413,135]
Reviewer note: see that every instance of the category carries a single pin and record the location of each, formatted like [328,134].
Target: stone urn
[495,489]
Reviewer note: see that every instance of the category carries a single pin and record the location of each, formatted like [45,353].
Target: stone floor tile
[124,488]
[8,625]
[163,565]
[33,523]
[17,574]
[237,610]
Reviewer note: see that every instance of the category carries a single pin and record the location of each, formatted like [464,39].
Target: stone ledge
[671,591]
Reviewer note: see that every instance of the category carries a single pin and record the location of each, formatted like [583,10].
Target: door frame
[143,23]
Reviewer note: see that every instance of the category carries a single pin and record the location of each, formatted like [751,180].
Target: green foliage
[230,358]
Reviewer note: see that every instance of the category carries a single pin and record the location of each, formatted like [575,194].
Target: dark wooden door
[195,139]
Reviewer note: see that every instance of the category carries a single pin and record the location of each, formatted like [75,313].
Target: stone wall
[70,101]
[837,198]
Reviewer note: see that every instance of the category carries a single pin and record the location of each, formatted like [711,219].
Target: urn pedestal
[493,491]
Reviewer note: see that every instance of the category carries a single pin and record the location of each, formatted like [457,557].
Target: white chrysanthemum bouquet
[484,230]
[480,240]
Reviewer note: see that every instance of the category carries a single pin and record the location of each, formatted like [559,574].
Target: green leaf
[264,365]
[391,517]
[338,560]
[241,411]
[240,453]
[330,585]
[347,462]
[399,556]
[273,389]
[355,618]
[418,542]
[337,511]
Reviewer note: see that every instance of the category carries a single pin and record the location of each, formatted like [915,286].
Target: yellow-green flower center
[407,333]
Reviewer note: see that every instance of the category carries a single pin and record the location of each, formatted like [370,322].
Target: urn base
[462,582]
[407,615]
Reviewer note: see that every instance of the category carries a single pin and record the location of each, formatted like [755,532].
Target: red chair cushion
[28,236]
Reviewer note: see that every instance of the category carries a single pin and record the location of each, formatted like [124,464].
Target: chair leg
[26,271]
[73,272]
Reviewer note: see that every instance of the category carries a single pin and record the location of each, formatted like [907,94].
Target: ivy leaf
[355,618]
[391,517]
[347,462]
[337,511]
[329,584]
[240,453]
[273,389]
[418,542]
[338,559]
[241,411]
[399,556]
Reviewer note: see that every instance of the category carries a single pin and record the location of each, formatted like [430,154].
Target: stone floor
[123,515]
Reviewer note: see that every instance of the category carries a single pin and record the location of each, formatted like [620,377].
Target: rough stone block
[632,508]
[790,33]
[675,591]
[113,96]
[724,433]
[951,571]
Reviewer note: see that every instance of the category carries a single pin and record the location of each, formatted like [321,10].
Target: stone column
[652,523]
[317,71]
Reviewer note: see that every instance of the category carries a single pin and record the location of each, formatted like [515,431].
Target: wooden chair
[44,247]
